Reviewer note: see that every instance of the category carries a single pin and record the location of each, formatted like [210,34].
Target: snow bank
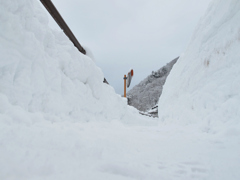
[42,72]
[204,84]
[48,91]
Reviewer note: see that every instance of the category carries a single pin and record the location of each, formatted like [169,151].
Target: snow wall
[42,74]
[204,85]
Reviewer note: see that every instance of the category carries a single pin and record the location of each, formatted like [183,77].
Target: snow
[41,71]
[59,121]
[145,95]
[205,83]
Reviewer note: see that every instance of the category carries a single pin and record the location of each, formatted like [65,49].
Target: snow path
[115,151]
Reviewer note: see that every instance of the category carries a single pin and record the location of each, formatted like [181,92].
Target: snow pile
[42,72]
[204,85]
[146,94]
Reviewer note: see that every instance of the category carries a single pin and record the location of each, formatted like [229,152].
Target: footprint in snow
[192,170]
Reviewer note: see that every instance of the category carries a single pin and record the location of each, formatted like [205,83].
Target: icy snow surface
[58,121]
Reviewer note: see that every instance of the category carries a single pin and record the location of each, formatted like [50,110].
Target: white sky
[139,34]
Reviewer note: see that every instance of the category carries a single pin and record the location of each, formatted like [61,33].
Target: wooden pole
[62,24]
[125,85]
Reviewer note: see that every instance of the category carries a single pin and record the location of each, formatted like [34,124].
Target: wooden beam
[62,24]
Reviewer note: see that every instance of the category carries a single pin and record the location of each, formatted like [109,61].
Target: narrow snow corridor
[59,121]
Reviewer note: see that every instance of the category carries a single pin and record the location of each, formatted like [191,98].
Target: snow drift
[203,86]
[42,72]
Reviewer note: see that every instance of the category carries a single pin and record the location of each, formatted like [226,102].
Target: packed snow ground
[59,121]
[66,150]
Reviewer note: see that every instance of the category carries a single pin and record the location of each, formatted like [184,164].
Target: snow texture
[205,83]
[58,121]
[146,94]
[41,71]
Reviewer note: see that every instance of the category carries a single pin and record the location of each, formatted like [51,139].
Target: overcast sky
[140,34]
